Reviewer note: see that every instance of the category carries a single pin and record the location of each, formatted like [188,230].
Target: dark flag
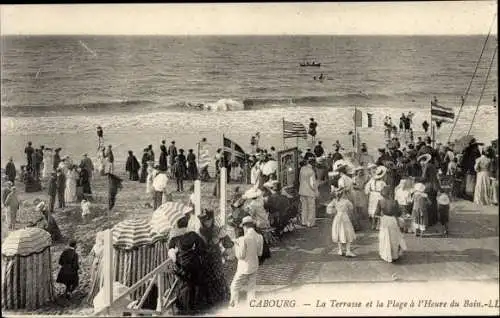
[233,150]
[370,119]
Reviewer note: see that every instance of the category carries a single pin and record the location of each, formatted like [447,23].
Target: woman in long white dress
[149,179]
[47,163]
[482,189]
[372,190]
[391,243]
[70,190]
[342,229]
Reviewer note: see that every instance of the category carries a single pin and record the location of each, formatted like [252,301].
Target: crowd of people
[403,189]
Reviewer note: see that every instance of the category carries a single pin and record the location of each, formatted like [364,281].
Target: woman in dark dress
[47,222]
[217,292]
[68,274]
[430,179]
[132,166]
[187,265]
[191,165]
[84,181]
[144,166]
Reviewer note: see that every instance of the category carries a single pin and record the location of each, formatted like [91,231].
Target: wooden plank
[197,197]
[108,267]
[133,288]
[159,283]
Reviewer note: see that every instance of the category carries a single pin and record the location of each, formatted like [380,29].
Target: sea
[57,89]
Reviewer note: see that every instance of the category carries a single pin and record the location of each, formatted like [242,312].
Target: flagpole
[283,132]
[355,130]
[198,161]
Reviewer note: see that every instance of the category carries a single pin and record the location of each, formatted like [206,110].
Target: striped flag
[293,129]
[204,158]
[441,114]
[233,149]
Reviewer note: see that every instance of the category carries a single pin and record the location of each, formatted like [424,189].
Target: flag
[233,149]
[370,119]
[358,118]
[441,114]
[294,129]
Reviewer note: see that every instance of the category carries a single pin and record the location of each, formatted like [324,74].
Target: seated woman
[278,207]
[391,243]
[47,222]
[215,237]
[186,251]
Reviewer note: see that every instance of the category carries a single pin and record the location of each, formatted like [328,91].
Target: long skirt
[217,288]
[482,189]
[133,175]
[342,229]
[470,183]
[144,174]
[391,243]
[11,217]
[494,191]
[360,202]
[373,199]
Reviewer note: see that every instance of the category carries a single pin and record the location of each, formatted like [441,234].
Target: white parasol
[269,167]
[160,182]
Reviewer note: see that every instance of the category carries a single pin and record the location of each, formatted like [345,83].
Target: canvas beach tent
[27,281]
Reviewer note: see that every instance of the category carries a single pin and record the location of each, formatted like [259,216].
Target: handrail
[159,269]
[472,79]
[482,90]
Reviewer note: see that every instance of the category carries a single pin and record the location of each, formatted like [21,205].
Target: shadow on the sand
[473,225]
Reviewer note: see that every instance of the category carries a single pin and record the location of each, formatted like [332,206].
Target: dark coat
[319,151]
[278,207]
[114,183]
[163,161]
[61,182]
[132,164]
[10,171]
[178,170]
[56,161]
[53,187]
[68,274]
[189,257]
[172,152]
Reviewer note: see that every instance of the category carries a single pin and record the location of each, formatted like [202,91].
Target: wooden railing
[164,301]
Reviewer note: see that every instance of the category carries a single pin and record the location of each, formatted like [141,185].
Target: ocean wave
[40,110]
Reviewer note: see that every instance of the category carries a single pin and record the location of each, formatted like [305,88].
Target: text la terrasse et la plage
[334,303]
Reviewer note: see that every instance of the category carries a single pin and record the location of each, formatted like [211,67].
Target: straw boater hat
[247,220]
[425,158]
[419,187]
[380,172]
[252,193]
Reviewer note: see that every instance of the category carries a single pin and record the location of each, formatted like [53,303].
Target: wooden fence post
[108,267]
[222,206]
[197,197]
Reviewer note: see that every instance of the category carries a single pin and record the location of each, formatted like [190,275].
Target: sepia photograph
[250,159]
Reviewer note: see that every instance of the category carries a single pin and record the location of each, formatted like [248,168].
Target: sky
[403,18]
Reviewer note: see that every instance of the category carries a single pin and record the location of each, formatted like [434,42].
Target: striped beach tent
[134,253]
[27,281]
[132,233]
[166,216]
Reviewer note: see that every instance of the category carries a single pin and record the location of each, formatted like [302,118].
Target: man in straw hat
[308,191]
[248,248]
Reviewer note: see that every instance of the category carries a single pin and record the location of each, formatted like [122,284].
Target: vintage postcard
[250,159]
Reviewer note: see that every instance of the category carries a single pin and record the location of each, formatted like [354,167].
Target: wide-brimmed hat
[371,166]
[247,220]
[380,172]
[425,158]
[419,187]
[251,194]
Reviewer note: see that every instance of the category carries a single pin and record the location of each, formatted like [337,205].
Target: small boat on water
[306,64]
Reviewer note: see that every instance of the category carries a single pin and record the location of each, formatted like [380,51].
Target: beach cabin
[27,281]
